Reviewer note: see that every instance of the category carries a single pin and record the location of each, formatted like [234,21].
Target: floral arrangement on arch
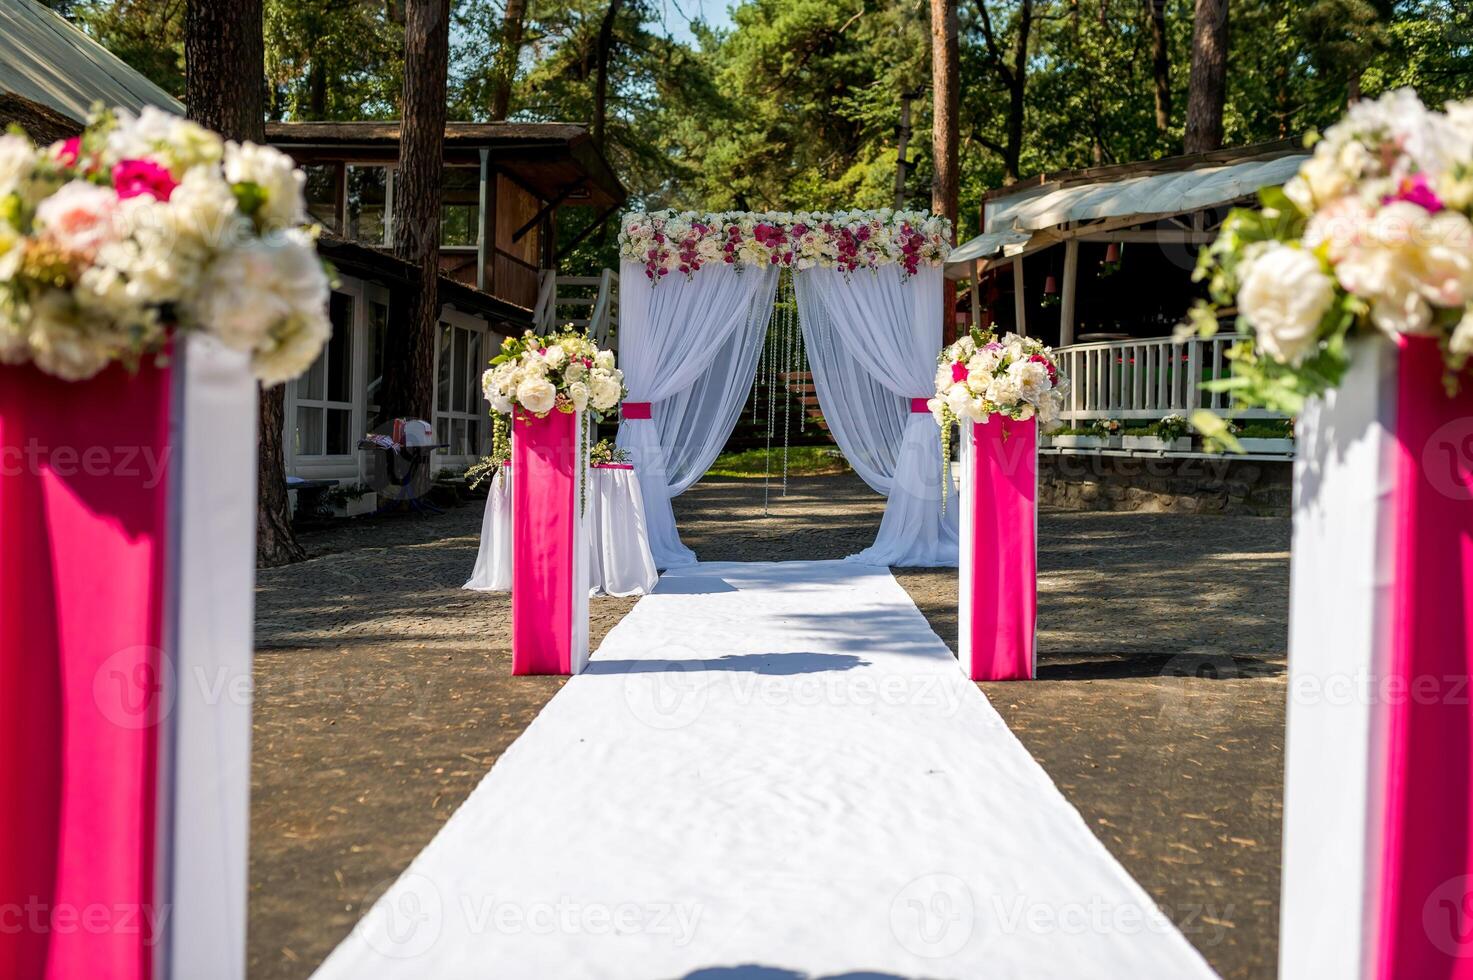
[668,242]
[1372,235]
[150,224]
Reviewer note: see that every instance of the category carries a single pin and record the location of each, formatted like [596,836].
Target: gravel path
[384,694]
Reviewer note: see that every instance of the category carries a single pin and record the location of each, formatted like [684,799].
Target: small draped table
[620,561]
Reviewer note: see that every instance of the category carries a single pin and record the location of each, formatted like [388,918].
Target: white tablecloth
[621,562]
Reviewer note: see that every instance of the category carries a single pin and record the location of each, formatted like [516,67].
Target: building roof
[1150,189]
[41,123]
[46,60]
[551,159]
[381,266]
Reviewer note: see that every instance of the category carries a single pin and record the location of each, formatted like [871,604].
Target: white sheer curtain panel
[872,342]
[688,349]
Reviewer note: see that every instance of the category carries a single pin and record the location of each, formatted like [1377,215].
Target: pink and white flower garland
[668,242]
[151,224]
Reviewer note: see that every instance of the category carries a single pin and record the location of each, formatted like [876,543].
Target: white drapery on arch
[689,347]
[872,339]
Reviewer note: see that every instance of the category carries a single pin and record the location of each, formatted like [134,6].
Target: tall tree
[408,389]
[1207,92]
[945,96]
[1160,64]
[1011,70]
[508,55]
[601,55]
[224,70]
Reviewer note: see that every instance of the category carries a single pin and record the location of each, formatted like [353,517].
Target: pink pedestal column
[998,560]
[127,521]
[549,595]
[1378,816]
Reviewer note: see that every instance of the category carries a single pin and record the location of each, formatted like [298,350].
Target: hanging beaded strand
[789,324]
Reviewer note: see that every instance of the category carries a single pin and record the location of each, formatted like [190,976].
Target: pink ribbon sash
[544,508]
[637,410]
[83,517]
[1426,922]
[918,406]
[1003,549]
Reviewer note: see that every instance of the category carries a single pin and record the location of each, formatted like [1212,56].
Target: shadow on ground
[384,694]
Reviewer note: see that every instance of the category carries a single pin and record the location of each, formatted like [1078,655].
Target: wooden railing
[588,302]
[1148,378]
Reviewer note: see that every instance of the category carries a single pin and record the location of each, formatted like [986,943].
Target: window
[324,395]
[460,208]
[375,339]
[322,195]
[368,204]
[461,418]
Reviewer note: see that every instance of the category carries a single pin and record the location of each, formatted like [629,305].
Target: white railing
[1148,378]
[590,303]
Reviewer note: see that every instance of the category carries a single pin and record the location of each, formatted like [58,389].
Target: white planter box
[1182,444]
[1285,446]
[366,504]
[1078,442]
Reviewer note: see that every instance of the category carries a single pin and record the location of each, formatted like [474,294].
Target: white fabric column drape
[689,347]
[872,342]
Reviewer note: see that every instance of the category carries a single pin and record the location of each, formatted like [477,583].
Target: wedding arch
[698,295]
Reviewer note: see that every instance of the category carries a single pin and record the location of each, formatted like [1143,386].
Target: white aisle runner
[770,771]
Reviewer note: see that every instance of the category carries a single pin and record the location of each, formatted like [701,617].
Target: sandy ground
[384,694]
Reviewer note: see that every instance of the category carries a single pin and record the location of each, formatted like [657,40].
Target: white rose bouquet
[980,376]
[563,372]
[1372,234]
[150,224]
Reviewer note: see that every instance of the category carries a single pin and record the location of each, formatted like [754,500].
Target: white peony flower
[277,177]
[537,395]
[79,218]
[604,360]
[174,141]
[1461,342]
[578,394]
[555,356]
[1284,296]
[604,393]
[264,295]
[291,347]
[1003,392]
[61,342]
[17,163]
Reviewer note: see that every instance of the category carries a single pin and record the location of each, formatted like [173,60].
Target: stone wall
[1221,485]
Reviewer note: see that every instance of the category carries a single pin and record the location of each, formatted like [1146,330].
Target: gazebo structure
[1098,263]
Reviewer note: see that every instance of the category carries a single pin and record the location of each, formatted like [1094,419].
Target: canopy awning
[1013,220]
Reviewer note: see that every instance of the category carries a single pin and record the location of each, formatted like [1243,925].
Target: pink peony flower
[1416,190]
[69,152]
[958,371]
[132,178]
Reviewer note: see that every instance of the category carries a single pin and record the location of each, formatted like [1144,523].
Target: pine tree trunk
[1160,64]
[1017,92]
[408,388]
[508,54]
[224,59]
[601,82]
[945,94]
[1208,89]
